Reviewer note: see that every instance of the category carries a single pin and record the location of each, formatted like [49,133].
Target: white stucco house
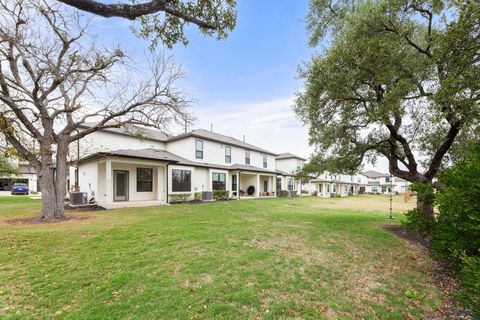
[26,175]
[287,164]
[328,185]
[134,166]
[376,182]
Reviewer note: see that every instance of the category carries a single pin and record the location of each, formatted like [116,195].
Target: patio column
[160,183]
[238,185]
[108,181]
[257,188]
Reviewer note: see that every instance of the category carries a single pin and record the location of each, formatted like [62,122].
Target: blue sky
[243,85]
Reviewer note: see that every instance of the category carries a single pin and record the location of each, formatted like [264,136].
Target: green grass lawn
[302,258]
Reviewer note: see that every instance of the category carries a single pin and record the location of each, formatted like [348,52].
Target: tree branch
[133,11]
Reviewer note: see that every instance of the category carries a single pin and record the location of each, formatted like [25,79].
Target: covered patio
[126,178]
[255,185]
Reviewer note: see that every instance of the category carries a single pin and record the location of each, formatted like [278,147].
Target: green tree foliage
[456,233]
[6,168]
[164,21]
[457,230]
[396,78]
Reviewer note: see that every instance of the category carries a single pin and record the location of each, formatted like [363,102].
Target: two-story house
[287,165]
[377,182]
[135,166]
[327,185]
[26,174]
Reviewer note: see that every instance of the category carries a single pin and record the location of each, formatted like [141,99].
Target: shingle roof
[150,154]
[213,136]
[134,131]
[374,174]
[155,154]
[288,155]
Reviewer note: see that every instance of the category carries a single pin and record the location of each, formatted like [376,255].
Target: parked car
[20,188]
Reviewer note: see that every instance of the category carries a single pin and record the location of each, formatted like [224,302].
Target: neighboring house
[287,165]
[327,185]
[138,166]
[377,182]
[27,175]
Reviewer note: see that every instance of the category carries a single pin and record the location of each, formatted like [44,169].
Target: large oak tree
[164,20]
[395,78]
[55,75]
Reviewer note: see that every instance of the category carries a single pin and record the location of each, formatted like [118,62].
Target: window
[328,188]
[387,179]
[234,183]
[247,156]
[181,180]
[279,184]
[199,149]
[265,161]
[219,181]
[228,154]
[265,186]
[290,184]
[374,189]
[144,180]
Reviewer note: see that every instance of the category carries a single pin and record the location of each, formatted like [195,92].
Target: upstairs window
[228,154]
[247,156]
[265,164]
[219,181]
[144,180]
[199,149]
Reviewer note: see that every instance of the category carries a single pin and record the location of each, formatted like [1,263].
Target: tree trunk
[427,210]
[51,208]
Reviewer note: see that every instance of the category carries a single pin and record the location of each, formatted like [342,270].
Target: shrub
[220,194]
[315,193]
[456,234]
[417,222]
[197,196]
[469,277]
[294,193]
[282,194]
[179,197]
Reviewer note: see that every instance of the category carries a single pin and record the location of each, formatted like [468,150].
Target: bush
[197,196]
[417,222]
[220,194]
[282,194]
[315,193]
[469,277]
[179,197]
[456,233]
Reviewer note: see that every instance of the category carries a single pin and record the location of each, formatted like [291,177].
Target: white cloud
[268,124]
[271,125]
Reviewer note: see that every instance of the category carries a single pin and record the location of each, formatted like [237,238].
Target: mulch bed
[442,276]
[89,208]
[23,221]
